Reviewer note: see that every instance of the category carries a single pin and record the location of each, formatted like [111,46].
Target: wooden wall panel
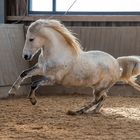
[117,41]
[11,45]
[11,62]
[17,7]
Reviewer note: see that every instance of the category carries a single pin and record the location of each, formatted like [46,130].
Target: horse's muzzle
[27,57]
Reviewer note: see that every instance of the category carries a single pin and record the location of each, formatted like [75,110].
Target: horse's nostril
[27,57]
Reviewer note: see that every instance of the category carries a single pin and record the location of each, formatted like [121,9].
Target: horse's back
[99,56]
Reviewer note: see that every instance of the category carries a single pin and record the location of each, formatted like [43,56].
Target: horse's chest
[50,67]
[55,69]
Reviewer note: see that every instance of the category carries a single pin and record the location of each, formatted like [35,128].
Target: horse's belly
[79,79]
[71,81]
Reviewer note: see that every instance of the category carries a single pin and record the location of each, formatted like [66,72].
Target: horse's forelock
[35,26]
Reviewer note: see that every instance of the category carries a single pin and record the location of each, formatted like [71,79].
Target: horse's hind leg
[100,100]
[25,74]
[134,84]
[94,106]
[35,85]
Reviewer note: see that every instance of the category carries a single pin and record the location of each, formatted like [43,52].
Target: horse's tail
[130,66]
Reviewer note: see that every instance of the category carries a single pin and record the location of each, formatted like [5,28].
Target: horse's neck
[57,51]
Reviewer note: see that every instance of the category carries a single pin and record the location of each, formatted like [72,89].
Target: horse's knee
[23,74]
[34,85]
[27,71]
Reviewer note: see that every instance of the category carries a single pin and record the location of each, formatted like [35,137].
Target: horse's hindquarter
[92,67]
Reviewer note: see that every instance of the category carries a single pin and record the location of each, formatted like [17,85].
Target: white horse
[131,69]
[63,62]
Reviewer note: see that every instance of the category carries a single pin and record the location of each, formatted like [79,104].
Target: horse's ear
[35,27]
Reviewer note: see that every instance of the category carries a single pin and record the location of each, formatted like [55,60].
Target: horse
[131,69]
[63,62]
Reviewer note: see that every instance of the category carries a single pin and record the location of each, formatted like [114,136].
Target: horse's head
[42,33]
[34,42]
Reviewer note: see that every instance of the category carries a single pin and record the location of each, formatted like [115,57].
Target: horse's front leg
[35,70]
[36,84]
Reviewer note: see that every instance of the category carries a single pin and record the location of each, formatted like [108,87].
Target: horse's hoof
[71,112]
[33,101]
[95,112]
[11,93]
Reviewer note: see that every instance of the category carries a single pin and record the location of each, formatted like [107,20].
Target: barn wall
[118,41]
[11,63]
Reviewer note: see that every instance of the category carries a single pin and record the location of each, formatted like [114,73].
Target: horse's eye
[31,39]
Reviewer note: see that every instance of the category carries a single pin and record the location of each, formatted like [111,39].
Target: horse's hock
[11,63]
[114,40]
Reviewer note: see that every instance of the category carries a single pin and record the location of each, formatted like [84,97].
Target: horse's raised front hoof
[33,101]
[12,92]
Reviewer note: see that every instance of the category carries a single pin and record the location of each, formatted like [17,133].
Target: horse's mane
[60,28]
